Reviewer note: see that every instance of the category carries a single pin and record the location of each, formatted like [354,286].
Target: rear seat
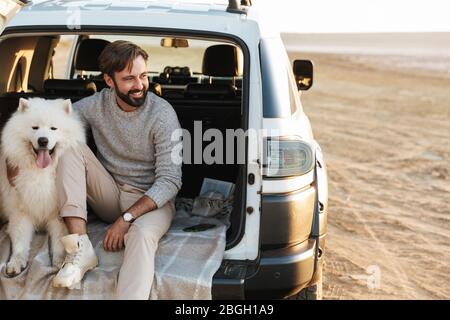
[69,88]
[218,61]
[210,91]
[87,60]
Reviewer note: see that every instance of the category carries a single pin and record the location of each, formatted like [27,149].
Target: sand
[384,125]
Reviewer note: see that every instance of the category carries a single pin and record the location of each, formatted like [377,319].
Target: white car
[219,65]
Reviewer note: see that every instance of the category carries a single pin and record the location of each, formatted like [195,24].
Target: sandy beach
[383,121]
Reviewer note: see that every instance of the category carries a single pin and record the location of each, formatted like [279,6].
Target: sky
[311,16]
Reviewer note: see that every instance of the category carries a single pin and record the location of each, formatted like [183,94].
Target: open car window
[178,60]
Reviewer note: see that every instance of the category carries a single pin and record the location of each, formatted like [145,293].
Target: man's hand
[114,238]
[11,173]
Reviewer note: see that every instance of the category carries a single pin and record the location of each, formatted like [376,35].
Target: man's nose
[42,142]
[139,84]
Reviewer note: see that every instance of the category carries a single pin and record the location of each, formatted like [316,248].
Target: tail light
[287,156]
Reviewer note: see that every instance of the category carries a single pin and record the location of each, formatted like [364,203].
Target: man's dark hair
[118,55]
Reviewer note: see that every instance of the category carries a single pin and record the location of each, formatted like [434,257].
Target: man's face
[131,86]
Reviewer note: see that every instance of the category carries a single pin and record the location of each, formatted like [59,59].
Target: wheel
[313,292]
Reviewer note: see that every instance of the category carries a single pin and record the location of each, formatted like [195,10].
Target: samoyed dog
[32,141]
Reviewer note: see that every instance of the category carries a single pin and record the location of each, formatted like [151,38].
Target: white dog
[32,141]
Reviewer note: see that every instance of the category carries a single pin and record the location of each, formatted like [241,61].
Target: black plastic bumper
[282,272]
[279,274]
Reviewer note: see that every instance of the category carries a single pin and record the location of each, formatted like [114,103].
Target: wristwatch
[128,217]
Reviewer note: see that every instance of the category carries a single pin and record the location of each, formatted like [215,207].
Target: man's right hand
[11,172]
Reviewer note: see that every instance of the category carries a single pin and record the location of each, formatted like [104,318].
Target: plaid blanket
[184,267]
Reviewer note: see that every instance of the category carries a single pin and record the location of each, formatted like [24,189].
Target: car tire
[313,292]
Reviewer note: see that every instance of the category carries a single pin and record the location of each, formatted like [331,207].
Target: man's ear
[67,105]
[24,105]
[109,81]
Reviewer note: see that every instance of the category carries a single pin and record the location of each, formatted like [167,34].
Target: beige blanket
[185,263]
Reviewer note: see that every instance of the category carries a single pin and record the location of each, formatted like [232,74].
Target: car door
[8,9]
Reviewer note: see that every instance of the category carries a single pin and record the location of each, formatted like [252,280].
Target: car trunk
[200,106]
[198,115]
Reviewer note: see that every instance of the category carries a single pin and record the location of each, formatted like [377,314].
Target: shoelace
[74,258]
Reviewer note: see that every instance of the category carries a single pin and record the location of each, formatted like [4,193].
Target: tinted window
[278,99]
[293,90]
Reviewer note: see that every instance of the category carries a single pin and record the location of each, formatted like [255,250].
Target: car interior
[209,90]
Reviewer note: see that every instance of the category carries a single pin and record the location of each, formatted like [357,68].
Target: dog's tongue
[43,159]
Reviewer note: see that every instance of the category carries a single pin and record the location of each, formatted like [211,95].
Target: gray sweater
[135,147]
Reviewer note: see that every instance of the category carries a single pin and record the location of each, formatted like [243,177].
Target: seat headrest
[88,52]
[62,86]
[222,60]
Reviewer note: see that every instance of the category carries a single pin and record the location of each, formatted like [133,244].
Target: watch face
[127,217]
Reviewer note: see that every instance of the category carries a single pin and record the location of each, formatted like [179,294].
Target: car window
[160,57]
[294,96]
[49,57]
[278,98]
[60,58]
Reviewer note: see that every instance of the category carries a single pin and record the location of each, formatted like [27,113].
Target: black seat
[218,61]
[87,54]
[69,88]
[206,91]
[89,51]
[86,59]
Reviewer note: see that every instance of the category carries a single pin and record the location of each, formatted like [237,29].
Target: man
[134,181]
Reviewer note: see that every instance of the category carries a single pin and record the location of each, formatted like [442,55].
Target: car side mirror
[303,71]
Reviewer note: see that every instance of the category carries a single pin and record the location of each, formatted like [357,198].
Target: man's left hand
[114,238]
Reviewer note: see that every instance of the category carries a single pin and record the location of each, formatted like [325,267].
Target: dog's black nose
[42,142]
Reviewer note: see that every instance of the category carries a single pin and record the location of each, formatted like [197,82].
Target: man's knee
[71,154]
[148,236]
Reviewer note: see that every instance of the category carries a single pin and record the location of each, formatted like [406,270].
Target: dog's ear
[24,105]
[67,105]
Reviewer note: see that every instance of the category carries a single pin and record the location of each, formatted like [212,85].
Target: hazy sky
[359,15]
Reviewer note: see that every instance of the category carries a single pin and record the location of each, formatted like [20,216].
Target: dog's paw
[15,266]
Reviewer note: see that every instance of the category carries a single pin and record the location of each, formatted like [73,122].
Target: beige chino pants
[80,177]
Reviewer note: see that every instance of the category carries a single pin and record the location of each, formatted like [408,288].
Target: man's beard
[134,102]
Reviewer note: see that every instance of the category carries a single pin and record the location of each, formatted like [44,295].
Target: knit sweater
[135,147]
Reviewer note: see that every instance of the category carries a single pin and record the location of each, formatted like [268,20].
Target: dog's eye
[35,128]
[53,128]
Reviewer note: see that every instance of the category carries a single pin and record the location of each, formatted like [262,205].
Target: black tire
[313,292]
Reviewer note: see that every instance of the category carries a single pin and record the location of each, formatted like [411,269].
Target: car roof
[199,6]
[200,15]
